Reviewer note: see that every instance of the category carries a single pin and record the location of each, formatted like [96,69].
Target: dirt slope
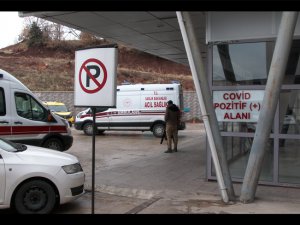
[51,68]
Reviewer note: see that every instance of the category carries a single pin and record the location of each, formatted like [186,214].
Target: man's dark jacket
[172,116]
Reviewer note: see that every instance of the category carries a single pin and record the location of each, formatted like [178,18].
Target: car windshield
[58,108]
[11,147]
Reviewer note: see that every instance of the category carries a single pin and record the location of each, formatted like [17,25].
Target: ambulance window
[27,107]
[2,103]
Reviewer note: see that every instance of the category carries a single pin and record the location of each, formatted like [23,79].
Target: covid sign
[238,106]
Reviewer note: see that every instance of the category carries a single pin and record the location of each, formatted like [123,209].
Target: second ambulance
[140,107]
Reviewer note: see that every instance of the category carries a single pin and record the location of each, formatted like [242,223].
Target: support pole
[206,106]
[93,159]
[266,116]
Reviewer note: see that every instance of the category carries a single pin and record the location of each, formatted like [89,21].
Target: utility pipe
[187,38]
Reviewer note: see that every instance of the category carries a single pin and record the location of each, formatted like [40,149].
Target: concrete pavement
[174,184]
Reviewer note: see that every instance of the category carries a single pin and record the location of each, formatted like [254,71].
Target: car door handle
[3,121]
[18,122]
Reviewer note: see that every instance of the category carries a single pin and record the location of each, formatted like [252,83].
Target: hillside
[51,67]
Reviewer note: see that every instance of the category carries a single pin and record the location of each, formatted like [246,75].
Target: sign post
[95,87]
[93,159]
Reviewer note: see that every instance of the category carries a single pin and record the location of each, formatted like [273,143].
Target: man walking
[172,119]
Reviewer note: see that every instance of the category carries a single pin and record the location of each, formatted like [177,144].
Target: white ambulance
[140,107]
[25,119]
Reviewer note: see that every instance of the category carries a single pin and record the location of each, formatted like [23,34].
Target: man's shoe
[175,150]
[168,151]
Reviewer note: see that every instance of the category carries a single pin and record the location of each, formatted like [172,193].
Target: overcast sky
[10,26]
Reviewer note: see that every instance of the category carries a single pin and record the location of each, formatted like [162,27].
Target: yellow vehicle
[61,109]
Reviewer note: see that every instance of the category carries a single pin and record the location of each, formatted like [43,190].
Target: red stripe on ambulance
[18,130]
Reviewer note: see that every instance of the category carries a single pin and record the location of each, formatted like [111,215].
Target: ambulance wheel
[88,128]
[158,130]
[54,143]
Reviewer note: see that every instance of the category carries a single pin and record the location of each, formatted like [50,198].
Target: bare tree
[51,31]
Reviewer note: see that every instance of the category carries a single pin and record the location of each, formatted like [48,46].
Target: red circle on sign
[99,85]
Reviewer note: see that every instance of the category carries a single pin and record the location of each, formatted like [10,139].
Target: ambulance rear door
[154,102]
[126,115]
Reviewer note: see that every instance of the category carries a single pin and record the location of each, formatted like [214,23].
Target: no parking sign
[95,77]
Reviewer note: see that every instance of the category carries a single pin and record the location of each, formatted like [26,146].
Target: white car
[35,179]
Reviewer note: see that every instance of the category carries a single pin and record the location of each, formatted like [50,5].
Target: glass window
[27,107]
[292,74]
[237,153]
[248,63]
[289,112]
[240,64]
[244,65]
[237,127]
[289,158]
[2,103]
[7,145]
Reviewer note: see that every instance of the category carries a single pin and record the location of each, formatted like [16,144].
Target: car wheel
[35,196]
[88,128]
[54,143]
[158,130]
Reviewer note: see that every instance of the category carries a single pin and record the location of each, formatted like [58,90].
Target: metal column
[266,116]
[206,106]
